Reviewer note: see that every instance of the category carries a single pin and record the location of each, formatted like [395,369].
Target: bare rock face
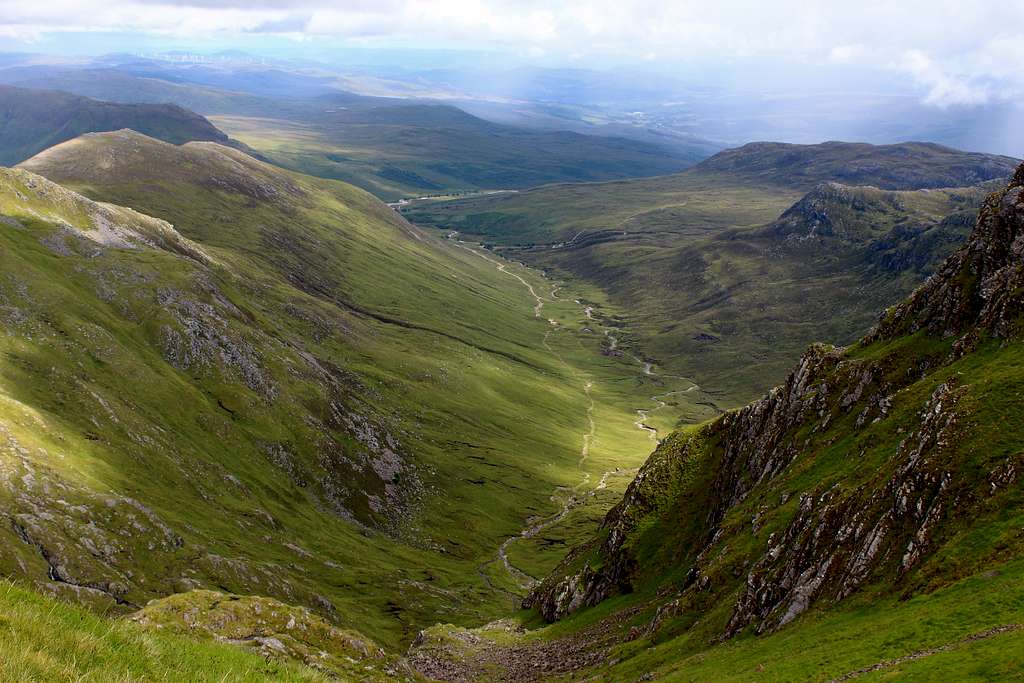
[838,539]
[714,487]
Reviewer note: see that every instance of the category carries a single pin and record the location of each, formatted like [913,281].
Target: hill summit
[33,120]
[903,166]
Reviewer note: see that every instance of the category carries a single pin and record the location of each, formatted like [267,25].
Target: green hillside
[859,521]
[727,270]
[47,640]
[281,388]
[32,120]
[255,425]
[862,519]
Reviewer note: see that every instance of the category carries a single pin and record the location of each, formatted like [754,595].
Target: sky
[962,53]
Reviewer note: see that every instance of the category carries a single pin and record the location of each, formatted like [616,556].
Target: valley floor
[618,419]
[625,404]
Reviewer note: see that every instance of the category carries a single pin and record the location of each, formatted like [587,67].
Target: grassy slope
[827,644]
[36,119]
[708,293]
[867,512]
[48,640]
[488,417]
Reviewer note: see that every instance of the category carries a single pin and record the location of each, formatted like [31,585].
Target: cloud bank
[958,53]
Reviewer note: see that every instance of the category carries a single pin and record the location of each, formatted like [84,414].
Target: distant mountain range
[33,120]
[391,147]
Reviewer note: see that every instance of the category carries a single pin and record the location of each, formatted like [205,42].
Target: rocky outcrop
[273,629]
[839,537]
[202,338]
[806,476]
[832,210]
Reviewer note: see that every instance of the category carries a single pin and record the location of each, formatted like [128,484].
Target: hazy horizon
[880,72]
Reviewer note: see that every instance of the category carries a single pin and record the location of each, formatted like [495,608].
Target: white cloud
[954,49]
[21,34]
[847,54]
[944,88]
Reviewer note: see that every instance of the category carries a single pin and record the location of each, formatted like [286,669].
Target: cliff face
[863,470]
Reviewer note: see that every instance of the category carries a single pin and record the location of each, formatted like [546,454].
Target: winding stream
[568,498]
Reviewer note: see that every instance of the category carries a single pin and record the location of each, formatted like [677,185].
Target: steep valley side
[863,518]
[279,388]
[259,420]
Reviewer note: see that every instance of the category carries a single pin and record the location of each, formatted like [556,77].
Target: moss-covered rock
[273,629]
